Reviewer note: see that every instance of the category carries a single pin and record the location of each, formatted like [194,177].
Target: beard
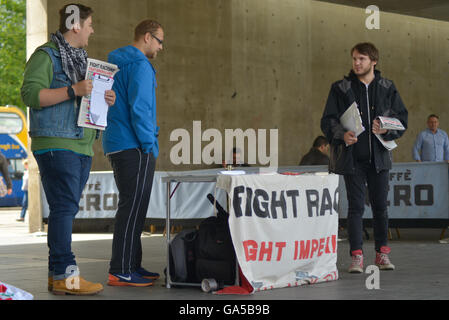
[362,72]
[152,55]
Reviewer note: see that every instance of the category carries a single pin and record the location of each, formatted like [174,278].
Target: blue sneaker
[131,279]
[147,274]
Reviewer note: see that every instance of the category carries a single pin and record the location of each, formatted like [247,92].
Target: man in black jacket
[363,160]
[317,154]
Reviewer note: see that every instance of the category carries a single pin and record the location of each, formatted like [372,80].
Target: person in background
[237,161]
[5,173]
[318,154]
[431,144]
[25,191]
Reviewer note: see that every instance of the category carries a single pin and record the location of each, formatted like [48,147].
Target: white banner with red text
[284,227]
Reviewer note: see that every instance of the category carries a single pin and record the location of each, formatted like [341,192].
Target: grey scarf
[74,60]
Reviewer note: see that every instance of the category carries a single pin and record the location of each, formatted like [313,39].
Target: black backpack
[206,253]
[215,255]
[182,257]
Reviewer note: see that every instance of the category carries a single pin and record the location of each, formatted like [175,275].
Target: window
[10,123]
[15,168]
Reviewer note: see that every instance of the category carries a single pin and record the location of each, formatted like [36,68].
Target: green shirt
[39,75]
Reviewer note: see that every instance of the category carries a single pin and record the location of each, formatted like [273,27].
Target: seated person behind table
[236,159]
[317,154]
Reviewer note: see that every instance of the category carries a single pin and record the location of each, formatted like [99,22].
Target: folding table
[178,179]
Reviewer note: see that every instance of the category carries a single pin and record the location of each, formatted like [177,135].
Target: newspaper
[351,120]
[389,145]
[390,123]
[94,109]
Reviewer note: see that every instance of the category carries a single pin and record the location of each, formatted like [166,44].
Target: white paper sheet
[100,70]
[351,120]
[98,106]
[389,145]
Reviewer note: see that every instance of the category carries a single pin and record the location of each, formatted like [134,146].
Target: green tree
[12,50]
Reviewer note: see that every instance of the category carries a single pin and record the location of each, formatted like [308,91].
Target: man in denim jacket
[53,86]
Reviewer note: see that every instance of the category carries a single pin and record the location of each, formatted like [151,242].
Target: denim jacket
[59,120]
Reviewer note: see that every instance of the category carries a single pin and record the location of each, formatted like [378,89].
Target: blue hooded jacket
[131,121]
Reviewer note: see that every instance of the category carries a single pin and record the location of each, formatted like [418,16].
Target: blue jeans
[24,204]
[64,175]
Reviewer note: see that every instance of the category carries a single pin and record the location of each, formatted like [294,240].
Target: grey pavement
[422,268]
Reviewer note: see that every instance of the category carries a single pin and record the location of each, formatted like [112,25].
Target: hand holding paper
[350,138]
[351,121]
[83,88]
[109,96]
[377,129]
[384,124]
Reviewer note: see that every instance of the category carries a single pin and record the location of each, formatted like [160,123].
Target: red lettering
[266,251]
[250,247]
[296,250]
[314,247]
[327,246]
[305,249]
[320,250]
[280,246]
[334,243]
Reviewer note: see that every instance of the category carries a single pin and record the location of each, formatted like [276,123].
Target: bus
[14,146]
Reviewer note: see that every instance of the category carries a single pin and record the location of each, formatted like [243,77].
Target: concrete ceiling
[431,9]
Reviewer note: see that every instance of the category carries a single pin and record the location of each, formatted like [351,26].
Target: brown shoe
[75,286]
[50,284]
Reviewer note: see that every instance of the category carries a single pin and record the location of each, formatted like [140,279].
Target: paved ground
[422,268]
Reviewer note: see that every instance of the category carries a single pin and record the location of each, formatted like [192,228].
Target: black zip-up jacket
[380,98]
[314,157]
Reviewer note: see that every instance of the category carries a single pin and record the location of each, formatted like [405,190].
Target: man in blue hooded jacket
[131,145]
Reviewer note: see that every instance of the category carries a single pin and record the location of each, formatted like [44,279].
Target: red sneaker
[357,262]
[382,259]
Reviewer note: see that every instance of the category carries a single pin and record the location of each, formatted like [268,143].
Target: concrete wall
[36,31]
[269,64]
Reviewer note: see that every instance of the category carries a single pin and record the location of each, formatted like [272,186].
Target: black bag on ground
[215,256]
[182,257]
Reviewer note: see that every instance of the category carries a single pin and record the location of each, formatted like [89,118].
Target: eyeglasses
[158,40]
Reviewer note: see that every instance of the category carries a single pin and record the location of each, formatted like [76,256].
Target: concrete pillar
[36,20]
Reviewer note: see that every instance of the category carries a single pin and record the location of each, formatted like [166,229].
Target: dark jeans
[64,175]
[24,204]
[356,184]
[133,174]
